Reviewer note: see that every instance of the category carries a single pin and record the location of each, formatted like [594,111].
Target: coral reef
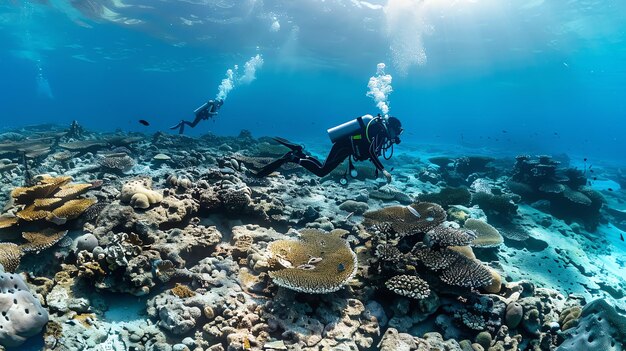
[170,243]
[317,262]
[566,189]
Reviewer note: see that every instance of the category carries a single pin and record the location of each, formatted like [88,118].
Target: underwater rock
[355,207]
[514,315]
[394,341]
[86,242]
[23,315]
[448,196]
[601,326]
[389,193]
[501,207]
[173,209]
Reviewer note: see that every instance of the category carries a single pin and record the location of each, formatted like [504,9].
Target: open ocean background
[499,76]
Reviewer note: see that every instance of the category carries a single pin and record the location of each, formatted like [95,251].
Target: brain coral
[22,313]
[318,262]
[139,194]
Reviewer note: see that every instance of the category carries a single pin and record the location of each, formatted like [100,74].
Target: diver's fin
[289,144]
[269,168]
[274,165]
[180,126]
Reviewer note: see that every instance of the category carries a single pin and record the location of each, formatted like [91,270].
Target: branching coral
[409,285]
[466,272]
[38,241]
[318,262]
[119,162]
[434,259]
[388,253]
[182,291]
[10,256]
[446,236]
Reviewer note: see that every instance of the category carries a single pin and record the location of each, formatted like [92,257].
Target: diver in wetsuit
[207,110]
[364,138]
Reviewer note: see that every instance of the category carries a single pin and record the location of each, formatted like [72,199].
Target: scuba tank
[352,127]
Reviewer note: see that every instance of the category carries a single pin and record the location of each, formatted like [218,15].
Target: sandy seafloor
[187,264]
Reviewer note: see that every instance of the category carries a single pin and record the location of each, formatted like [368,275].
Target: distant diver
[364,138]
[204,112]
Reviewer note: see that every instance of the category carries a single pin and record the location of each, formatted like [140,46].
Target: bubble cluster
[380,88]
[233,79]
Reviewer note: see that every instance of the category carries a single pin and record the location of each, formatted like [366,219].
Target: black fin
[289,144]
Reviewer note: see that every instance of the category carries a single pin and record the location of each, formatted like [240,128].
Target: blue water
[515,76]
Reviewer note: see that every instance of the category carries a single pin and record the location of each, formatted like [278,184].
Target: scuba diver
[364,138]
[207,110]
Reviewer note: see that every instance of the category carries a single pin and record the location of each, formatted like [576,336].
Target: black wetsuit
[357,146]
[202,114]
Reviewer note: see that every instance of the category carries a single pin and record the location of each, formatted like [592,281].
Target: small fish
[413,211]
[591,170]
[341,267]
[585,159]
[621,236]
[306,267]
[610,189]
[144,122]
[565,64]
[555,133]
[314,260]
[504,131]
[595,178]
[283,262]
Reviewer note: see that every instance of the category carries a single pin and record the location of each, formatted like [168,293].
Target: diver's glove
[387,176]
